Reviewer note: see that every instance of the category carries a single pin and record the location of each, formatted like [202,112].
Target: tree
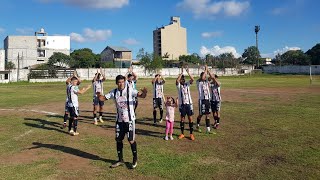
[251,55]
[314,54]
[193,58]
[9,65]
[84,58]
[60,59]
[157,63]
[151,62]
[295,57]
[140,54]
[145,61]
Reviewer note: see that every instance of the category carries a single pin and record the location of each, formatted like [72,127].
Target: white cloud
[95,4]
[216,50]
[2,30]
[90,35]
[206,8]
[211,34]
[285,49]
[25,31]
[131,41]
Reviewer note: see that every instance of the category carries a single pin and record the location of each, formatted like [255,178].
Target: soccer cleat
[171,138]
[100,119]
[216,125]
[117,164]
[198,129]
[160,121]
[71,132]
[95,122]
[75,133]
[192,137]
[181,136]
[166,138]
[134,164]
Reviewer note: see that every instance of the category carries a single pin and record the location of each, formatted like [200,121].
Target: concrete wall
[315,69]
[111,73]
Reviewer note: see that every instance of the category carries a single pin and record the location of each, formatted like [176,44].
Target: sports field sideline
[269,130]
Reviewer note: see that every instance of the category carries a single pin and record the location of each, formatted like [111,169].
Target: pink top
[170,112]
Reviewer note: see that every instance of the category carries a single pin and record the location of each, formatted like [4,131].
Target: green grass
[270,130]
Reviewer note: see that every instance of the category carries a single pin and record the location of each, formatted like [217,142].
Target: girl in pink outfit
[170,104]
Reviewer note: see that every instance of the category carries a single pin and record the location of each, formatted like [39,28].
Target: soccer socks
[70,123]
[208,124]
[155,116]
[119,150]
[75,125]
[100,114]
[65,118]
[182,127]
[198,120]
[161,113]
[134,150]
[191,127]
[217,120]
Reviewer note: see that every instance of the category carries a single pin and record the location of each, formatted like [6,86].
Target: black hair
[182,76]
[202,73]
[74,78]
[157,75]
[216,76]
[173,101]
[119,77]
[129,75]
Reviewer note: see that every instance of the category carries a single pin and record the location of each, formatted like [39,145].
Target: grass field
[269,130]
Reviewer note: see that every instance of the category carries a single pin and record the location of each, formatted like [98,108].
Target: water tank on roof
[42,30]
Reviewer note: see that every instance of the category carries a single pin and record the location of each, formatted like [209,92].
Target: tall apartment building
[170,41]
[26,51]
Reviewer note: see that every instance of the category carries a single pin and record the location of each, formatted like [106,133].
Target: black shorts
[204,107]
[157,103]
[125,127]
[215,106]
[186,109]
[97,102]
[74,112]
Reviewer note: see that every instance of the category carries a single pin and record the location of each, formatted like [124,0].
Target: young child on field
[170,104]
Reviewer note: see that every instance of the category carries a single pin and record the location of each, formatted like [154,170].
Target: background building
[25,51]
[120,56]
[170,41]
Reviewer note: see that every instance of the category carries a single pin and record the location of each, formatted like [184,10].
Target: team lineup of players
[125,96]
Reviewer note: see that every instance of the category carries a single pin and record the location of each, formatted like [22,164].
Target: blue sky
[213,26]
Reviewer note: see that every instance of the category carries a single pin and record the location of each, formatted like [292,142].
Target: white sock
[208,129]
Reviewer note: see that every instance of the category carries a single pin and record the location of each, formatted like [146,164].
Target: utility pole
[256,30]
[18,67]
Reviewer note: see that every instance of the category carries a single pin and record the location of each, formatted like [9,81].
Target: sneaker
[171,138]
[198,129]
[116,164]
[160,121]
[215,126]
[95,122]
[100,119]
[192,137]
[166,138]
[134,164]
[71,132]
[181,136]
[75,133]
[155,124]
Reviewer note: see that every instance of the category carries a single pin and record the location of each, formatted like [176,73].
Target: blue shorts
[97,102]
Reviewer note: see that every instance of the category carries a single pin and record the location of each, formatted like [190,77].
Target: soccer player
[158,83]
[123,97]
[215,99]
[66,112]
[204,99]
[132,81]
[97,84]
[73,104]
[185,102]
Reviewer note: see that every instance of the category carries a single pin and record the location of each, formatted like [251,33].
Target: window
[41,53]
[118,54]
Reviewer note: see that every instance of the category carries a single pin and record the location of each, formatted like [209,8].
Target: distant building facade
[119,56]
[170,41]
[26,51]
[2,59]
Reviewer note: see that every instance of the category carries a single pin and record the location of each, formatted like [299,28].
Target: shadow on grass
[70,150]
[47,125]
